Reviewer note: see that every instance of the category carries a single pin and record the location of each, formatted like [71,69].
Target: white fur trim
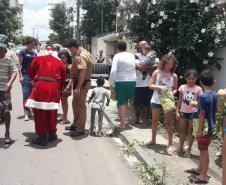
[52,53]
[42,105]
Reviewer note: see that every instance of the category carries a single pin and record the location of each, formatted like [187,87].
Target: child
[149,60]
[9,68]
[98,95]
[163,79]
[222,93]
[207,105]
[185,112]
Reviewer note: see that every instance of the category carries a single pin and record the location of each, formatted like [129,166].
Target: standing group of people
[45,80]
[148,81]
[49,78]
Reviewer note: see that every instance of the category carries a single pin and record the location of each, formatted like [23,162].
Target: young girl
[66,58]
[163,79]
[185,111]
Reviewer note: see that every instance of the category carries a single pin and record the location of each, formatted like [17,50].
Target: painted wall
[107,43]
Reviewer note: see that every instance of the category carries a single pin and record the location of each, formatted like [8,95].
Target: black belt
[49,79]
[75,83]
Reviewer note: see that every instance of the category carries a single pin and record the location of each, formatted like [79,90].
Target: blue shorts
[156,106]
[189,116]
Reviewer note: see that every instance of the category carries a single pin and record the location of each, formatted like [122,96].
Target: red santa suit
[48,73]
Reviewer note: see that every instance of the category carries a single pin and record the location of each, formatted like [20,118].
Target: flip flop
[192,171]
[196,180]
[65,122]
[120,126]
[7,141]
[149,144]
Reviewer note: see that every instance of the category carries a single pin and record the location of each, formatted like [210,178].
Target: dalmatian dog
[188,96]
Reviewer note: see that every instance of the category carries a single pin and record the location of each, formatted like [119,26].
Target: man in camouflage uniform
[80,77]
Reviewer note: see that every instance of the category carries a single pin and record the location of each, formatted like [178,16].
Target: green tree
[192,29]
[9,21]
[94,10]
[59,24]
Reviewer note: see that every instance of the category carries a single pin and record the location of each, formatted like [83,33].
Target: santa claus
[48,73]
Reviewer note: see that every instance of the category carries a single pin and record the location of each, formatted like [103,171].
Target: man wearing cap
[48,74]
[80,76]
[9,67]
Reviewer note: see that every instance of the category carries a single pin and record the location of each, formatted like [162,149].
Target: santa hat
[51,51]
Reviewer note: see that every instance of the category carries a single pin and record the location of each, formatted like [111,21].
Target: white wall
[107,43]
[221,75]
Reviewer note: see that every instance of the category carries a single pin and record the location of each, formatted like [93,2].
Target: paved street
[83,161]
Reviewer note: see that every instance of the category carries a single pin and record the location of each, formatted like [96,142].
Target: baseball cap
[3,41]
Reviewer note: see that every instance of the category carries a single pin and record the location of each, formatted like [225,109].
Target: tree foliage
[192,29]
[9,21]
[60,25]
[91,22]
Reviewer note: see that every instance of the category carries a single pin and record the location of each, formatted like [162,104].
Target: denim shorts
[189,116]
[156,106]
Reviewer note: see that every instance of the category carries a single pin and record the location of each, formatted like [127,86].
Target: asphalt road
[83,161]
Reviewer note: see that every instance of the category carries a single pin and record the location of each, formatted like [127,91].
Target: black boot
[52,137]
[77,133]
[40,140]
[71,127]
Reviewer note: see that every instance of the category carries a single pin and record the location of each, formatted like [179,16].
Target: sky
[36,14]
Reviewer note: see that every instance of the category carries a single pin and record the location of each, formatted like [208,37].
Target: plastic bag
[196,127]
[221,105]
[167,101]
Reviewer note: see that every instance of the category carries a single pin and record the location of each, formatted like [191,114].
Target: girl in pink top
[185,111]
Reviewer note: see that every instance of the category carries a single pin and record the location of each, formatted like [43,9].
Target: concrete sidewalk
[138,135]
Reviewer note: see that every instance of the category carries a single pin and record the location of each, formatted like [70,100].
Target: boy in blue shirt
[207,106]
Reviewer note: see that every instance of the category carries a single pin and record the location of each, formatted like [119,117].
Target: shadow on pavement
[3,145]
[30,135]
[140,126]
[219,161]
[159,148]
[20,117]
[76,138]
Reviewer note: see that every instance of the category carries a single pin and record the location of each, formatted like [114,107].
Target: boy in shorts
[8,72]
[207,106]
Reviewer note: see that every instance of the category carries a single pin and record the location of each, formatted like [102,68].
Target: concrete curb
[140,153]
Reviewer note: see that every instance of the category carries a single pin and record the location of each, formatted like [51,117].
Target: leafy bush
[192,29]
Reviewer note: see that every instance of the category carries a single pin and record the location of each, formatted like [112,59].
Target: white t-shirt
[123,68]
[140,82]
[100,94]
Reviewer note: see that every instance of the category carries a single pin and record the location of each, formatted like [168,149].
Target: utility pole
[102,16]
[78,19]
[33,32]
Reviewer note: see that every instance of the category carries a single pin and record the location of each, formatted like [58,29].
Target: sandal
[65,122]
[135,123]
[192,171]
[120,126]
[170,149]
[187,154]
[7,141]
[92,133]
[149,143]
[196,180]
